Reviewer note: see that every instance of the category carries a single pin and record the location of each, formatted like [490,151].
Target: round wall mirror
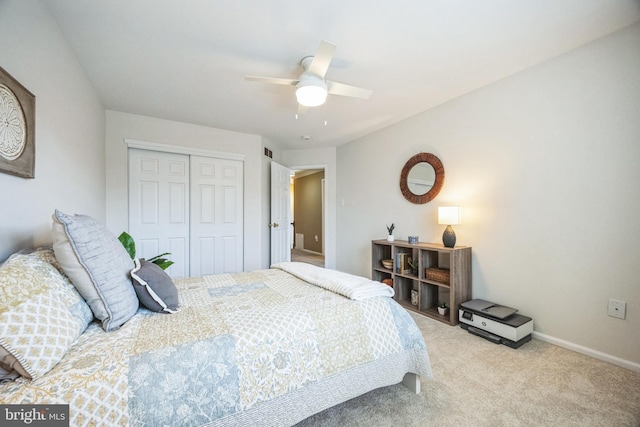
[422,178]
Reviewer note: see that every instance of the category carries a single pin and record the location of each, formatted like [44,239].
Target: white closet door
[159,206]
[216,216]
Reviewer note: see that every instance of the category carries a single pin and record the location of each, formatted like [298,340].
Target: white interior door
[280,213]
[159,206]
[216,216]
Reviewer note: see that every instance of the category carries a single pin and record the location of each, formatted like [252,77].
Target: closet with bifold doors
[190,205]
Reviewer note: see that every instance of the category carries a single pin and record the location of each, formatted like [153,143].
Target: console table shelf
[435,261]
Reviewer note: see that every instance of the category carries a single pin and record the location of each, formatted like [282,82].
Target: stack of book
[402,263]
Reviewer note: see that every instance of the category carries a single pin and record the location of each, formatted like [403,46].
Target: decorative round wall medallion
[13,127]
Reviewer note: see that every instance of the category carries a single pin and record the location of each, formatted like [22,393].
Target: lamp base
[449,237]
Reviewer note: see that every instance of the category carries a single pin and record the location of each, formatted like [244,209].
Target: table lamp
[449,215]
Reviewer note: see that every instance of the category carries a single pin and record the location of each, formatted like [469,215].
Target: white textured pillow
[98,266]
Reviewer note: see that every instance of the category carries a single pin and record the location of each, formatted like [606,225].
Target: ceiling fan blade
[322,58]
[335,88]
[273,80]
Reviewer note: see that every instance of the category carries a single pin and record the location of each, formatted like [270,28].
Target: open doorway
[307,213]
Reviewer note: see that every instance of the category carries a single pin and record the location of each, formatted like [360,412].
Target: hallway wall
[308,210]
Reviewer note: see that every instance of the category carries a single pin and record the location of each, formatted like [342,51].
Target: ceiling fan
[311,86]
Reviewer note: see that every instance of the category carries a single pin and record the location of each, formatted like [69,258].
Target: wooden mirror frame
[435,162]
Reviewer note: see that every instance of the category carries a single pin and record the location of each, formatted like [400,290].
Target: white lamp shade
[449,215]
[311,92]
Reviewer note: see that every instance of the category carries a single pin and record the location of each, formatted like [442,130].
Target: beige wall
[121,126]
[308,210]
[545,165]
[69,134]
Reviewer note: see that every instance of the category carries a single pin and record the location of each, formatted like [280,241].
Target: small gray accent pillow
[98,266]
[156,291]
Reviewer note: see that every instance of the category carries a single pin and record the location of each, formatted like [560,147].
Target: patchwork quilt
[259,348]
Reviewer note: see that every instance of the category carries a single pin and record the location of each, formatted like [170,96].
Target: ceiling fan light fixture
[311,92]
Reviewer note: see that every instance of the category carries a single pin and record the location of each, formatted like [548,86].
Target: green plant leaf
[161,262]
[128,243]
[130,246]
[166,264]
[153,259]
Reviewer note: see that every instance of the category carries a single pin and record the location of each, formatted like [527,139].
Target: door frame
[179,149]
[324,202]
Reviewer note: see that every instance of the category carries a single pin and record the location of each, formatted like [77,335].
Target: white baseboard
[627,364]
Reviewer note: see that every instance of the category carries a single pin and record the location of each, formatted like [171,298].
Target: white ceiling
[185,60]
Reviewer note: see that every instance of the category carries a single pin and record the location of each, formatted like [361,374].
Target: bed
[268,347]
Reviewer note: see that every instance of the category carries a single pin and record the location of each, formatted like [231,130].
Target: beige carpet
[478,383]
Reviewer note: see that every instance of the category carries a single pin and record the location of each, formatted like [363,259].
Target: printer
[496,323]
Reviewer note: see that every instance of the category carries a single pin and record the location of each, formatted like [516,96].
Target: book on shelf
[402,263]
[398,264]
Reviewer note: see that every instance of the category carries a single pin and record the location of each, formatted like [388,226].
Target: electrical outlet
[617,308]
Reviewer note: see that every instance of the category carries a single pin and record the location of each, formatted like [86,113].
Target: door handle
[274,225]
